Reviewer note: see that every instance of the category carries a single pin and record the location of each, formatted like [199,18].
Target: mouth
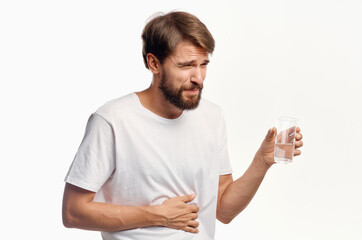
[192,91]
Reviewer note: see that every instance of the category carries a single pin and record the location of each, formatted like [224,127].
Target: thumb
[270,136]
[187,198]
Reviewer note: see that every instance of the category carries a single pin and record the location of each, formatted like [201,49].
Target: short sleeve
[94,161]
[224,162]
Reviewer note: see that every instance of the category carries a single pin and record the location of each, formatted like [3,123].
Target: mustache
[194,87]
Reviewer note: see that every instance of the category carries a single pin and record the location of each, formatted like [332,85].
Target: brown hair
[162,33]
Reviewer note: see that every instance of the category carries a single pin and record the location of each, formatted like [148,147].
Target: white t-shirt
[131,156]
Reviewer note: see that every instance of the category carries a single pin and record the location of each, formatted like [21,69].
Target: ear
[153,63]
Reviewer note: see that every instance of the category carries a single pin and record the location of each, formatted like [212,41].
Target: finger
[291,133]
[298,144]
[191,230]
[187,198]
[286,135]
[194,208]
[193,224]
[298,136]
[193,216]
[270,136]
[297,152]
[291,130]
[297,129]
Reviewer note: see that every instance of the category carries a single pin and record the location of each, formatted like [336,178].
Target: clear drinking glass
[284,140]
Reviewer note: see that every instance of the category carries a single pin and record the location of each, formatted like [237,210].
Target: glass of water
[284,140]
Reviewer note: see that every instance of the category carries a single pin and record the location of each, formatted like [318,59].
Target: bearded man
[154,164]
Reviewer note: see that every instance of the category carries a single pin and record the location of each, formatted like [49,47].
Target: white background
[61,60]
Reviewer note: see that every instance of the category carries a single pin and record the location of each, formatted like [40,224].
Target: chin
[190,105]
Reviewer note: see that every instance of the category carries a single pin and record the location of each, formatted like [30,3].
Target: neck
[152,98]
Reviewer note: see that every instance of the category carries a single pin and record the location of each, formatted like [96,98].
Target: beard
[175,97]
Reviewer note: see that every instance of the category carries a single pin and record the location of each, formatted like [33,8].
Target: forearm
[109,217]
[80,211]
[239,193]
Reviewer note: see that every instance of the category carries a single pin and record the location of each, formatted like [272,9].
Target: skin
[234,196]
[185,68]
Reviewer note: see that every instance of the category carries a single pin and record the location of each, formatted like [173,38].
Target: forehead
[186,50]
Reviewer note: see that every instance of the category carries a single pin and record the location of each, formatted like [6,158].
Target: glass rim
[285,118]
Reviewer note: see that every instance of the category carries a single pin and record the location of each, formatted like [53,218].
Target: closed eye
[191,64]
[205,63]
[186,64]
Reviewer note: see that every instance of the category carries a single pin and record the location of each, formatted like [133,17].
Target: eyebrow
[190,63]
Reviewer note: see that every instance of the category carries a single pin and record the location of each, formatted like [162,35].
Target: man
[154,164]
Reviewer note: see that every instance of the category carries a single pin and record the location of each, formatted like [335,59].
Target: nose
[197,76]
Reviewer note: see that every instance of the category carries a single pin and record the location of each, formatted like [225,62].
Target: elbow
[224,219]
[74,207]
[69,219]
[67,224]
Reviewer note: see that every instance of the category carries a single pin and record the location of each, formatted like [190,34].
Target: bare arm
[234,196]
[238,194]
[79,211]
